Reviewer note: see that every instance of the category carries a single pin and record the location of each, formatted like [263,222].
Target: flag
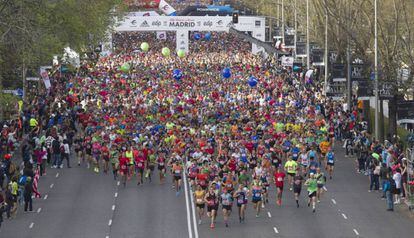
[35,181]
[161,35]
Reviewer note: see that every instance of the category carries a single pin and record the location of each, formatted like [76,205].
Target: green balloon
[125,68]
[144,46]
[166,51]
[181,53]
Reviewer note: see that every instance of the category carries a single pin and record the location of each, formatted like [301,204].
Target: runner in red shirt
[279,177]
[123,167]
[139,167]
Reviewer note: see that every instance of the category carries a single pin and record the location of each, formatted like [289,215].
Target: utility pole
[326,52]
[307,36]
[377,132]
[348,60]
[296,28]
[278,13]
[283,21]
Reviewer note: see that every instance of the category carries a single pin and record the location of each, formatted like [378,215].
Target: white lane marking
[356,232]
[344,216]
[106,236]
[51,186]
[333,201]
[324,188]
[194,213]
[268,213]
[118,183]
[113,207]
[31,225]
[45,197]
[275,229]
[39,209]
[110,222]
[57,175]
[116,194]
[187,204]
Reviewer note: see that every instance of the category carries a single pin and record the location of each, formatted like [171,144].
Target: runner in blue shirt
[330,161]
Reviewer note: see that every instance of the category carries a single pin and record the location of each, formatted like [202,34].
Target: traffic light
[235,17]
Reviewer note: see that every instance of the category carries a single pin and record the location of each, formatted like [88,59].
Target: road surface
[77,203]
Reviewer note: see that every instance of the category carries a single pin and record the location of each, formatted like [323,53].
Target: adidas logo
[144,24]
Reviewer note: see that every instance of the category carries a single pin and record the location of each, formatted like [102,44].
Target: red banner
[143,3]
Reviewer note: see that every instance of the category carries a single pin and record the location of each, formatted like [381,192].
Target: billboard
[317,57]
[300,49]
[338,72]
[289,41]
[405,111]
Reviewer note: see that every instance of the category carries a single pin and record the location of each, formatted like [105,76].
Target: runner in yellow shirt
[290,167]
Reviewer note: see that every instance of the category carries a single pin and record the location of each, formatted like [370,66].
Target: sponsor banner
[289,41]
[338,72]
[207,11]
[317,57]
[161,35]
[365,89]
[336,89]
[300,49]
[166,8]
[287,61]
[357,72]
[405,110]
[191,23]
[386,91]
[182,40]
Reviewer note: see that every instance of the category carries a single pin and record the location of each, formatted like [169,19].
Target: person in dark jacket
[9,199]
[28,191]
[2,206]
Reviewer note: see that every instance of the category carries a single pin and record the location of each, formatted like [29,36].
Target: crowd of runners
[232,140]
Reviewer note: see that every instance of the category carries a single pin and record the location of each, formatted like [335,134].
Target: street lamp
[307,36]
[326,51]
[376,71]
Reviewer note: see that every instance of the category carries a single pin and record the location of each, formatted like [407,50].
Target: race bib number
[279,179]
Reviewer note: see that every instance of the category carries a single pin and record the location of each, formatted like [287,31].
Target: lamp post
[307,36]
[376,71]
[326,52]
[283,21]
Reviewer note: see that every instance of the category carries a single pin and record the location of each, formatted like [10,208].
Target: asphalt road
[77,203]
